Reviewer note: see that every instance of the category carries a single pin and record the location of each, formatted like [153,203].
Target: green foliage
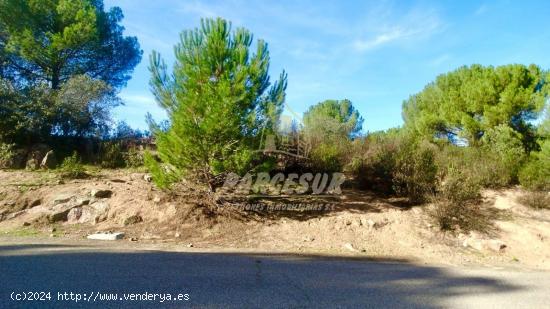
[415,172]
[162,174]
[535,174]
[219,102]
[327,158]
[482,165]
[111,154]
[51,41]
[457,204]
[396,163]
[61,64]
[6,155]
[82,107]
[72,168]
[330,121]
[505,145]
[465,103]
[133,158]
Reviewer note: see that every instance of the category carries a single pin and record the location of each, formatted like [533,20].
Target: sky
[374,53]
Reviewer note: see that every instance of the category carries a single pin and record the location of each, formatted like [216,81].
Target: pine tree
[219,100]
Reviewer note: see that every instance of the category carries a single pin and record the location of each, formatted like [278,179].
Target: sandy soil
[361,224]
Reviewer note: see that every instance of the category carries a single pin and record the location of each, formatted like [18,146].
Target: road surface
[93,272]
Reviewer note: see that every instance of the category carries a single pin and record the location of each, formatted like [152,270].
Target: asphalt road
[220,280]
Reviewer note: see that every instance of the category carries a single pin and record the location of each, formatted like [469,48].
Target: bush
[504,145]
[111,155]
[327,158]
[415,174]
[478,164]
[535,199]
[133,158]
[7,155]
[72,167]
[395,163]
[535,174]
[457,204]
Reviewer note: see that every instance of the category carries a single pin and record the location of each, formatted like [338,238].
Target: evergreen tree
[219,101]
[465,103]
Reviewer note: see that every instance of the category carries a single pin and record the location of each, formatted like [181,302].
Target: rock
[496,245]
[147,177]
[189,245]
[156,199]
[35,203]
[36,155]
[74,215]
[370,223]
[106,236]
[49,161]
[59,213]
[177,235]
[474,243]
[101,193]
[81,201]
[53,230]
[133,239]
[133,220]
[63,198]
[349,247]
[26,224]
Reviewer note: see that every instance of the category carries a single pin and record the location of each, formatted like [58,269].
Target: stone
[349,247]
[156,199]
[106,236]
[26,224]
[62,198]
[496,245]
[147,177]
[36,155]
[101,193]
[189,245]
[74,215]
[177,235]
[474,243]
[35,203]
[81,201]
[59,213]
[133,220]
[49,161]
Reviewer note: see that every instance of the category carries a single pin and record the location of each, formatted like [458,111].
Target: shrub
[535,199]
[535,174]
[504,145]
[111,154]
[327,158]
[133,158]
[7,155]
[72,167]
[457,204]
[395,163]
[415,173]
[478,164]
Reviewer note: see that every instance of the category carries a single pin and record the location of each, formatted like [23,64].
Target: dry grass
[535,199]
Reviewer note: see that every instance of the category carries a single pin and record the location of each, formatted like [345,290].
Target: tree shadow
[260,280]
[309,206]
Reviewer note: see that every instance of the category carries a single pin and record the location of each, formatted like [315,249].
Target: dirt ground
[360,223]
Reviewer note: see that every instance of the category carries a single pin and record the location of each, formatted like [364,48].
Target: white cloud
[415,25]
[138,99]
